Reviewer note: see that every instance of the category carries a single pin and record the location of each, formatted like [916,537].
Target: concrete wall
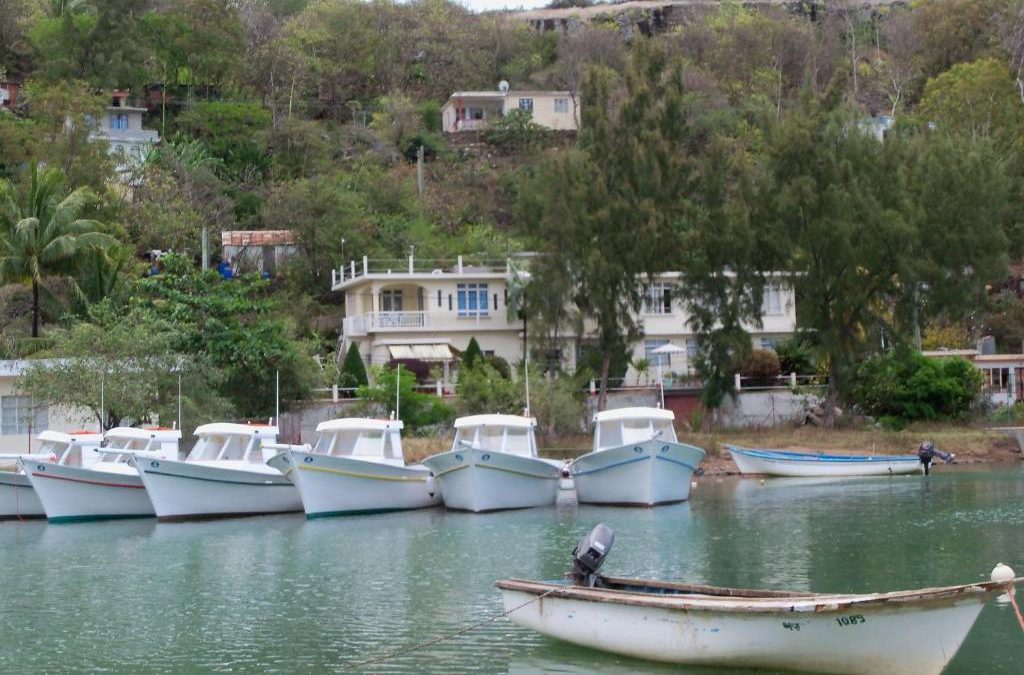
[57,421]
[765,408]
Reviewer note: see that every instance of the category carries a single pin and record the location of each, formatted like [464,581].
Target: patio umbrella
[668,349]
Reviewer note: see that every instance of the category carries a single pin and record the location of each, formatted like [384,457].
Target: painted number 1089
[851,620]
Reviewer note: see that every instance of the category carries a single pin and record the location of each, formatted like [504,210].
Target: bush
[762,365]
[515,132]
[482,389]
[795,356]
[430,114]
[472,355]
[908,386]
[500,365]
[433,145]
[353,371]
[416,409]
[558,404]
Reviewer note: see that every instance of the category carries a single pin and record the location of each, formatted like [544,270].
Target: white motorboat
[493,465]
[914,632]
[108,487]
[17,497]
[808,464]
[224,475]
[636,461]
[356,466]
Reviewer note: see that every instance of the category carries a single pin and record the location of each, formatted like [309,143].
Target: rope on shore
[448,636]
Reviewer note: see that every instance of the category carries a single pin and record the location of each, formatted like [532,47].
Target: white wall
[58,421]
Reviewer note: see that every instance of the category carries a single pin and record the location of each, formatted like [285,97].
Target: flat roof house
[476,110]
[20,419]
[121,127]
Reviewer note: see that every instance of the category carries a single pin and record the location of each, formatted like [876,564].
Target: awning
[435,352]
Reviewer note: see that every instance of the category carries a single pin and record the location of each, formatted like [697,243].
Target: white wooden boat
[636,461]
[902,633]
[801,464]
[224,475]
[493,465]
[18,499]
[356,466]
[108,487]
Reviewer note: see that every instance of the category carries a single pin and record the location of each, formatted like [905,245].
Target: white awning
[435,352]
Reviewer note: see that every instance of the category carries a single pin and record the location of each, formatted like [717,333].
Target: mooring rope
[448,636]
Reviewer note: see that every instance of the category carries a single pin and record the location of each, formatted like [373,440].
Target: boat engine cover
[589,554]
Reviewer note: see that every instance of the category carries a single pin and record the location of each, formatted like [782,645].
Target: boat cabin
[511,434]
[54,446]
[625,426]
[361,438]
[227,442]
[120,442]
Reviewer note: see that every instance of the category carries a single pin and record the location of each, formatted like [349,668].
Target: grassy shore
[971,444]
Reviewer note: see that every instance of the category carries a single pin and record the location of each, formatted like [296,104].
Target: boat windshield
[513,440]
[615,433]
[360,443]
[221,447]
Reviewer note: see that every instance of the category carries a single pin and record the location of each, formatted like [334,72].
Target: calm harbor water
[282,593]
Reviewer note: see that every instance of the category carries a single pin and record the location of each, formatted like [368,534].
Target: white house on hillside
[121,127]
[428,310]
[20,419]
[476,110]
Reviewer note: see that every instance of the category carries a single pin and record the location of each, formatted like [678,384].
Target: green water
[285,594]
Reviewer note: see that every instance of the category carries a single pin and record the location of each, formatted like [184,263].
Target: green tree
[482,390]
[393,386]
[43,234]
[353,370]
[473,356]
[123,368]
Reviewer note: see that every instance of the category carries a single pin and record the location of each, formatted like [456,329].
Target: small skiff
[804,464]
[18,499]
[902,633]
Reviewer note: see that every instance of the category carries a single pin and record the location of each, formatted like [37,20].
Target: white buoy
[1002,574]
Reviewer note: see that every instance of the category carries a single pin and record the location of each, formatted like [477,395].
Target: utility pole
[206,247]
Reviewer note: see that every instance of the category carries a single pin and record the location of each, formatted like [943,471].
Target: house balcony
[372,322]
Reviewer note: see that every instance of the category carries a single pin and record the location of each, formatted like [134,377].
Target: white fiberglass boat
[17,497]
[224,475]
[493,465]
[356,466]
[805,464]
[915,632]
[636,460]
[108,487]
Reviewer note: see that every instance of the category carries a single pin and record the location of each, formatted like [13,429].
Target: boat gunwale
[720,599]
[794,456]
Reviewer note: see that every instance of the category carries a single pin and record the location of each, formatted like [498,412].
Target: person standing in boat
[927,452]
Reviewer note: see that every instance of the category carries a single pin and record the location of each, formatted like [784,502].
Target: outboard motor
[589,555]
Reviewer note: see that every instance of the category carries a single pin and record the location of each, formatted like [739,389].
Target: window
[472,299]
[652,358]
[526,104]
[119,121]
[561,106]
[391,301]
[658,299]
[19,416]
[691,349]
[999,379]
[771,303]
[769,343]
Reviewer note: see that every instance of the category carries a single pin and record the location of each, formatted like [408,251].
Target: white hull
[641,474]
[900,638]
[790,464]
[331,485]
[477,480]
[187,490]
[69,493]
[17,498]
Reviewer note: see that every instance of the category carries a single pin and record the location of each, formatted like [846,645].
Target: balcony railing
[363,324]
[412,265]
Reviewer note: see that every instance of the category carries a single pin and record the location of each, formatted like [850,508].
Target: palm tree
[43,234]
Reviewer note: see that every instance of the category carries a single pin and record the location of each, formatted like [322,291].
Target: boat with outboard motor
[493,465]
[356,466]
[224,475]
[108,487]
[637,460]
[18,499]
[803,464]
[915,632]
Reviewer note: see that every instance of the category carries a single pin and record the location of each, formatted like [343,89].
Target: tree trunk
[602,395]
[35,308]
[833,394]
